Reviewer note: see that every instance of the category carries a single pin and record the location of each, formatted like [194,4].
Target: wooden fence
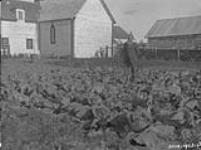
[171,54]
[104,52]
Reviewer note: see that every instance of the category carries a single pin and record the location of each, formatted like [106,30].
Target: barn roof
[119,33]
[176,27]
[64,9]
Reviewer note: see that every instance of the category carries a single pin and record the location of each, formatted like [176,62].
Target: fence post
[156,53]
[178,54]
[106,51]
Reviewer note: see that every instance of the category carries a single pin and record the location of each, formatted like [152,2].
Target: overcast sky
[139,15]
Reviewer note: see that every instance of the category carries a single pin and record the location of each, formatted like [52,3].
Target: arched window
[52,34]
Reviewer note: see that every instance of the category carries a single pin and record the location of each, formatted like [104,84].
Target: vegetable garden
[49,107]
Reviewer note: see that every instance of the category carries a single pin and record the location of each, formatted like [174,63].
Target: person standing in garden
[130,55]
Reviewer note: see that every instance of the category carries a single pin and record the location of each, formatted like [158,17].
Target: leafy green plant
[74,108]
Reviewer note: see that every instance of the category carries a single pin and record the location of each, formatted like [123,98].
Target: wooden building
[120,36]
[76,28]
[176,33]
[19,27]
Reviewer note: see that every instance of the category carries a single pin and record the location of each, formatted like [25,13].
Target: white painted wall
[32,1]
[93,29]
[18,32]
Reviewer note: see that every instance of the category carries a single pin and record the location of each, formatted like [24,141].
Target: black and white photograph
[100,75]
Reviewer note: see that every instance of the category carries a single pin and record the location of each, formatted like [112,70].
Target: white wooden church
[76,28]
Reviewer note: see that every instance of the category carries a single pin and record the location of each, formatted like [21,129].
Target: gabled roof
[119,33]
[60,9]
[175,27]
[108,11]
[64,9]
[8,10]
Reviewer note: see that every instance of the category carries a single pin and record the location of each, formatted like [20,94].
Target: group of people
[102,52]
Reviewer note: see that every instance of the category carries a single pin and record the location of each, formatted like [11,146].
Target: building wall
[93,29]
[179,42]
[32,1]
[63,45]
[18,32]
[118,45]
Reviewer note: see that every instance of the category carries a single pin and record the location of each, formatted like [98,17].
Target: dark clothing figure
[130,54]
[130,57]
[125,56]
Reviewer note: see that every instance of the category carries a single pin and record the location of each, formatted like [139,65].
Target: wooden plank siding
[176,42]
[82,27]
[93,29]
[17,33]
[32,1]
[64,32]
[176,33]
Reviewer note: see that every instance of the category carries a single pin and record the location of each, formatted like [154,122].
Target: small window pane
[20,14]
[4,41]
[29,43]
